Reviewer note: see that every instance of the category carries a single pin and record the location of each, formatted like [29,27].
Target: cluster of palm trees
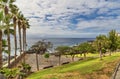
[11,19]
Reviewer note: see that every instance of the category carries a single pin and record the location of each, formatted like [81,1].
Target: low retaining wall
[13,63]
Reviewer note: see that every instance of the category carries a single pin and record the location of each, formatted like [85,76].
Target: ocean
[59,41]
[55,41]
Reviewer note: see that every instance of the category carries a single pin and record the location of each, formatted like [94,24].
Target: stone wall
[13,63]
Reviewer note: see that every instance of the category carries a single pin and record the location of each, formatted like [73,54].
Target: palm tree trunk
[0,48]
[9,46]
[15,38]
[25,41]
[37,62]
[19,32]
[24,44]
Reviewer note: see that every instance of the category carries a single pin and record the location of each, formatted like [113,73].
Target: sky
[70,18]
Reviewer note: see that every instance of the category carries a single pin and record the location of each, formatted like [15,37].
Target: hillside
[90,68]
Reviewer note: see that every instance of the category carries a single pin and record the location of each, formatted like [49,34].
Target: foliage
[41,47]
[85,47]
[113,39]
[60,50]
[118,42]
[46,55]
[26,67]
[9,73]
[100,43]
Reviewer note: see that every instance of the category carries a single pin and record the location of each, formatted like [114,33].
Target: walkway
[118,73]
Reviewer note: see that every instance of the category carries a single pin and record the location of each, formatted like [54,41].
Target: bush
[47,55]
[9,73]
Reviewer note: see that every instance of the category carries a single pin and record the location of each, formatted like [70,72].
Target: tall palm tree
[5,7]
[1,24]
[19,30]
[3,14]
[7,32]
[0,48]
[25,25]
[14,10]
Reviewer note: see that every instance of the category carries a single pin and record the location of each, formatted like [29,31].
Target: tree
[60,50]
[20,16]
[0,48]
[73,51]
[1,25]
[7,32]
[118,42]
[40,48]
[8,12]
[100,43]
[85,47]
[43,46]
[25,25]
[113,39]
[35,48]
[14,10]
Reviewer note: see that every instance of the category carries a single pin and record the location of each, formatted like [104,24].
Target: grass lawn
[90,68]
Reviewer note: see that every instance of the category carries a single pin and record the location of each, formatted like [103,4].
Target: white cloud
[53,17]
[101,23]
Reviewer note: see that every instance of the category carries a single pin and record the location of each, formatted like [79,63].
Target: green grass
[82,67]
[89,55]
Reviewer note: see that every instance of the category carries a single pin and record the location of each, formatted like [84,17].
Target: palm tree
[0,48]
[14,10]
[25,25]
[6,5]
[7,32]
[1,24]
[19,30]
[6,8]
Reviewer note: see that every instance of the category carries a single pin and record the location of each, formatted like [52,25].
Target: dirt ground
[52,60]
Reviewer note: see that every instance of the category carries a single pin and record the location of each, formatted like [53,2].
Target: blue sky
[70,18]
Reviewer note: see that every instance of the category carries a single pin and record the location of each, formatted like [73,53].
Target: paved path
[118,73]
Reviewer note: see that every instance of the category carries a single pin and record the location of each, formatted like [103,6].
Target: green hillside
[89,68]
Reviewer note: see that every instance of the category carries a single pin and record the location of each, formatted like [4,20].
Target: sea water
[59,41]
[55,41]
